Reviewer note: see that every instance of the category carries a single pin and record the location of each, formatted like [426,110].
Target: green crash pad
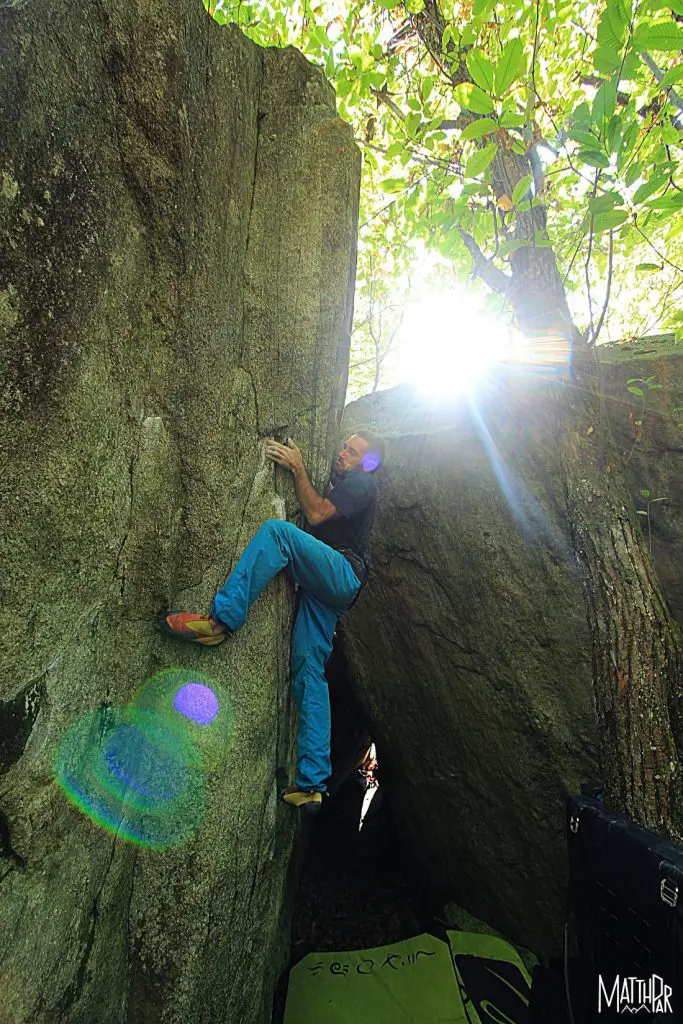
[471,979]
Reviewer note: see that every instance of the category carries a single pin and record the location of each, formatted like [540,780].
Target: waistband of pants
[356,562]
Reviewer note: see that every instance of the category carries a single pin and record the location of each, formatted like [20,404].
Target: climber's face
[351,454]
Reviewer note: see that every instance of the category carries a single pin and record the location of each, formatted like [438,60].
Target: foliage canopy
[585,95]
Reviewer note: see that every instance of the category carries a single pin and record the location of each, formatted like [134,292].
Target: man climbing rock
[330,565]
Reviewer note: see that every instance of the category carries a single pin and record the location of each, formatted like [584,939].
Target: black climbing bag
[626,898]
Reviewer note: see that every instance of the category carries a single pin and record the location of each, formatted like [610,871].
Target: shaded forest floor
[356,889]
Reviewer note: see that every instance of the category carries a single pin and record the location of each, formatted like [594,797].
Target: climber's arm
[315,508]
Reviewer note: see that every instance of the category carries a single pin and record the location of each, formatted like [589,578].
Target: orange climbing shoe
[310,802]
[198,629]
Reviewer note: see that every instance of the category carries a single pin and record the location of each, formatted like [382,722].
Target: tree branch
[609,288]
[449,124]
[384,98]
[427,160]
[591,330]
[484,268]
[659,75]
[660,255]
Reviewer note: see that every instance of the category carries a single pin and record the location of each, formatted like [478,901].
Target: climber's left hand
[286,455]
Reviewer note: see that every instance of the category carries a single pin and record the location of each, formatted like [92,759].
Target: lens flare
[138,771]
[197,702]
[195,707]
[370,461]
[132,775]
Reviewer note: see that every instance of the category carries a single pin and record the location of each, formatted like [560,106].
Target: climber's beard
[338,471]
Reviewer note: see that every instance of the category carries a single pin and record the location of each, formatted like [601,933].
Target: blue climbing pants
[328,587]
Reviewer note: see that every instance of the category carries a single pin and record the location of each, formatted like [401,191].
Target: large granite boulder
[470,650]
[177,235]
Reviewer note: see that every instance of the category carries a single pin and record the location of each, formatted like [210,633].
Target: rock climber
[330,565]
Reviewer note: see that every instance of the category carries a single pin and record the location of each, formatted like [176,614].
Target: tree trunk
[636,644]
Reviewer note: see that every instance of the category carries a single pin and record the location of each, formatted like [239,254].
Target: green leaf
[481,70]
[660,35]
[480,160]
[604,102]
[593,158]
[475,188]
[414,103]
[604,202]
[669,134]
[636,391]
[412,123]
[672,76]
[633,173]
[641,512]
[658,5]
[482,126]
[427,86]
[606,60]
[608,220]
[393,184]
[613,138]
[617,20]
[510,67]
[581,115]
[584,137]
[469,33]
[471,97]
[648,266]
[608,41]
[631,66]
[511,119]
[521,188]
[670,202]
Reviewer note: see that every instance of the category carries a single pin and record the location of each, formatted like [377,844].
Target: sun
[447,344]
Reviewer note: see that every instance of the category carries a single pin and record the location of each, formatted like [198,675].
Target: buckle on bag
[668,892]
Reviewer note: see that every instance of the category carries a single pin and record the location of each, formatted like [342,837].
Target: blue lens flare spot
[138,761]
[197,702]
[370,461]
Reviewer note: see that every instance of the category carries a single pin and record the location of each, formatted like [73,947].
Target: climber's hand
[286,455]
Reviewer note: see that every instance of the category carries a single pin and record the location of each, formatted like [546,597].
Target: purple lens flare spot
[370,461]
[197,702]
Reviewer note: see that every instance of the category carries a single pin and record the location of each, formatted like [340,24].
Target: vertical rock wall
[177,248]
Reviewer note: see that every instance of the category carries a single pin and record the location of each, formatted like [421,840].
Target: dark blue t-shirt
[354,495]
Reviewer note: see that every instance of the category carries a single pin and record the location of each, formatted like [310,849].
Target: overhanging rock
[470,649]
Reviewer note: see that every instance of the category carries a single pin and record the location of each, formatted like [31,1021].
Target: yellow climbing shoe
[310,802]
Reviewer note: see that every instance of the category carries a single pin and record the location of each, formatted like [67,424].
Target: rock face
[177,235]
[470,650]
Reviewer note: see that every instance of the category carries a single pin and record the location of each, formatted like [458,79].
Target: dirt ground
[356,889]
